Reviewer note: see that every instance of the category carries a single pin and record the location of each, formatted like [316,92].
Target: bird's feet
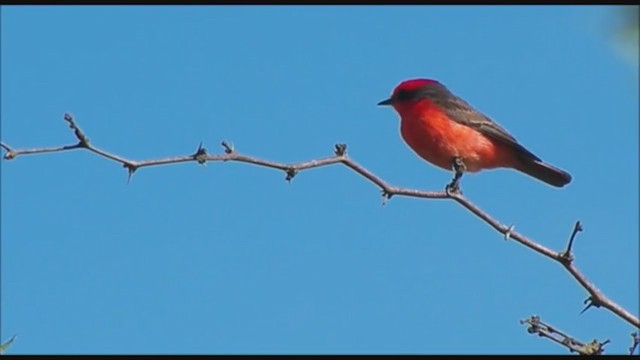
[458,170]
[452,188]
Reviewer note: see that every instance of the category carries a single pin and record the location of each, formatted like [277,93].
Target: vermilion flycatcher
[447,132]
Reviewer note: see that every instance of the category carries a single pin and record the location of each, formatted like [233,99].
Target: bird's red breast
[429,131]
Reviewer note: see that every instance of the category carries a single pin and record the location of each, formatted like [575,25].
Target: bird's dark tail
[544,172]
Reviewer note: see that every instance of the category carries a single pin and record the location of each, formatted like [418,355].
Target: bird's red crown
[413,85]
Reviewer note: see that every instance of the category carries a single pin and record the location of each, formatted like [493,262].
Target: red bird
[447,132]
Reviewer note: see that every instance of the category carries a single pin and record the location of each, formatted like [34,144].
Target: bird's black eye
[408,95]
[404,95]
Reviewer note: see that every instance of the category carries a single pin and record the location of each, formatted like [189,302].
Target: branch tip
[533,321]
[567,257]
[83,141]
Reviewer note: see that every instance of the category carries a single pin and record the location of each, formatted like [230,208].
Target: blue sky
[230,258]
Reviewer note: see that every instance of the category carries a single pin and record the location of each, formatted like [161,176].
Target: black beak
[389,101]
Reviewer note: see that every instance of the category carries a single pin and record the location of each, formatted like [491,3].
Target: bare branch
[12,154]
[536,326]
[596,297]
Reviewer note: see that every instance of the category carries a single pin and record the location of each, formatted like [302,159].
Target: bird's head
[408,92]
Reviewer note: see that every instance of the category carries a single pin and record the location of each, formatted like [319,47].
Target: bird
[446,131]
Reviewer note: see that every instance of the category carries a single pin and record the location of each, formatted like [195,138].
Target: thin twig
[537,326]
[12,154]
[596,298]
[567,256]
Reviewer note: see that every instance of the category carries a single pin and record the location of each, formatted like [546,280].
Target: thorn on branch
[590,301]
[201,155]
[228,149]
[385,197]
[507,233]
[341,149]
[131,168]
[636,341]
[567,257]
[82,138]
[291,173]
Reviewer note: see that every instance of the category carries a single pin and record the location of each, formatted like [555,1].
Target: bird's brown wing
[461,112]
